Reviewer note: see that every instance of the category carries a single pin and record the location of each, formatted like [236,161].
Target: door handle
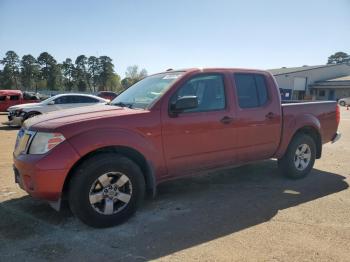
[270,115]
[226,120]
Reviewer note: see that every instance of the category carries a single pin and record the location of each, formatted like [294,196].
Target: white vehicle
[19,113]
[344,101]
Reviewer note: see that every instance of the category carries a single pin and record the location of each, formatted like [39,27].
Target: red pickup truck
[10,98]
[103,159]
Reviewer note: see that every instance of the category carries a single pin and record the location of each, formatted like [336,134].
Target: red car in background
[107,95]
[15,97]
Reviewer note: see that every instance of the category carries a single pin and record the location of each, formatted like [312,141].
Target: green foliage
[133,75]
[86,74]
[10,73]
[50,71]
[338,58]
[30,72]
[68,74]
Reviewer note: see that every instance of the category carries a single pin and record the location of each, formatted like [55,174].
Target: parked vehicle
[10,98]
[102,159]
[107,95]
[344,101]
[19,113]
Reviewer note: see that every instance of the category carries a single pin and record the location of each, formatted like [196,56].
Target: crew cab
[10,98]
[19,113]
[103,159]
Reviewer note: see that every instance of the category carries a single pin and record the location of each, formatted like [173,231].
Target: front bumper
[336,137]
[43,176]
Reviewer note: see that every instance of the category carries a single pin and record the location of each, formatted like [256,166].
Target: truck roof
[223,69]
[9,92]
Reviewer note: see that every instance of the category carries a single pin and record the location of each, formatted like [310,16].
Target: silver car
[344,101]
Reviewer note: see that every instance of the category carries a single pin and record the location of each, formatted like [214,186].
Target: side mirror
[51,103]
[184,103]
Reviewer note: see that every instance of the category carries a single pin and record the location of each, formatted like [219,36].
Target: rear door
[258,112]
[202,137]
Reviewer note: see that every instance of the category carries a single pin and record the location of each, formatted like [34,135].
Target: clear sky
[161,34]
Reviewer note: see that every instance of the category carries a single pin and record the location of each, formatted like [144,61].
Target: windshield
[46,101]
[146,91]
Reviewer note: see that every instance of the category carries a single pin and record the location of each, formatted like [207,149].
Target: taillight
[337,114]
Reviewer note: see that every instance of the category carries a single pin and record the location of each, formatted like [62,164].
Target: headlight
[44,142]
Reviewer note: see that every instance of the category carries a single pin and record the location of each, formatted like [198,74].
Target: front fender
[291,125]
[92,140]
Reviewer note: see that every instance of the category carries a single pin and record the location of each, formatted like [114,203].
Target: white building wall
[286,81]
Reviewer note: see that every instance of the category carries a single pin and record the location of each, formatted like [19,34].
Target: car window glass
[63,100]
[262,89]
[14,97]
[85,99]
[209,89]
[251,90]
[2,98]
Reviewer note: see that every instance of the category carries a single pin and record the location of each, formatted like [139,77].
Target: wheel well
[34,112]
[312,132]
[131,153]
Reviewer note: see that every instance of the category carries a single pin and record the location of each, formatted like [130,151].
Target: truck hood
[23,106]
[56,119]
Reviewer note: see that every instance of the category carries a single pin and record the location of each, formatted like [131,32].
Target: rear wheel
[106,190]
[299,158]
[342,103]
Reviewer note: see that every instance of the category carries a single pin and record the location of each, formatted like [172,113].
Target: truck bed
[323,113]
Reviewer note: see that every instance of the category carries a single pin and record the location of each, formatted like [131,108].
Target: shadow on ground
[186,212]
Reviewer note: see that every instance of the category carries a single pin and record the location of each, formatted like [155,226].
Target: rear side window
[2,98]
[251,90]
[85,99]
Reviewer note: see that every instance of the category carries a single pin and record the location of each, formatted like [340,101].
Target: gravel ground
[249,213]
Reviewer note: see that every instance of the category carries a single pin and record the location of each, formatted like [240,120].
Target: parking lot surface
[250,213]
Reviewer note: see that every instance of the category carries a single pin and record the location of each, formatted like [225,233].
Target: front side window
[63,100]
[148,90]
[209,90]
[251,90]
[2,98]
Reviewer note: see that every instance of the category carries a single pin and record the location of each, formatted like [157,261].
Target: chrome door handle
[226,120]
[270,115]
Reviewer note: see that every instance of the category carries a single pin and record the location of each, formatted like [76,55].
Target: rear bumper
[336,137]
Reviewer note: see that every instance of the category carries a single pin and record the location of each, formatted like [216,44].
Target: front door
[203,137]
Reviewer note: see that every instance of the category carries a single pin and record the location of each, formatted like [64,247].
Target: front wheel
[106,190]
[299,158]
[342,103]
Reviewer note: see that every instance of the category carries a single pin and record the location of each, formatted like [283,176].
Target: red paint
[6,102]
[174,146]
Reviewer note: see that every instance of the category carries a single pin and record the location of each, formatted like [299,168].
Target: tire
[87,194]
[289,164]
[342,103]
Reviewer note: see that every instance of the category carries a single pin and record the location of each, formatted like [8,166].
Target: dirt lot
[249,213]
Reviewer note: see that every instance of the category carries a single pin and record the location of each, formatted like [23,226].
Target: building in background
[303,82]
[331,89]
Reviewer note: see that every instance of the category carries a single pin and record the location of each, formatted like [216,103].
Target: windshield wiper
[122,104]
